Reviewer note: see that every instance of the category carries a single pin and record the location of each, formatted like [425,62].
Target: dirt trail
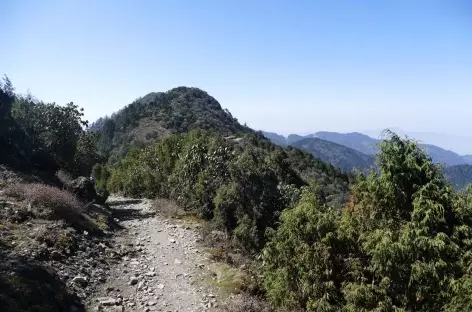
[159,267]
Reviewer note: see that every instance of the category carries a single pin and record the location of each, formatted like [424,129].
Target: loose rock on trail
[158,267]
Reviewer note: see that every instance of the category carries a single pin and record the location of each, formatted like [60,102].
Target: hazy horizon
[286,67]
[455,143]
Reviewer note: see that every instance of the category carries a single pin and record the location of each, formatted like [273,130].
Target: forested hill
[160,114]
[347,151]
[369,146]
[165,116]
[338,155]
[459,175]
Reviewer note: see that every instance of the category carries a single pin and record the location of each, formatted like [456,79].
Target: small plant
[64,177]
[167,208]
[247,303]
[46,201]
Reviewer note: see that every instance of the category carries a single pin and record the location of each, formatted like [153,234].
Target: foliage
[334,184]
[8,131]
[298,271]
[47,136]
[242,184]
[157,115]
[401,244]
[459,175]
[86,154]
[50,129]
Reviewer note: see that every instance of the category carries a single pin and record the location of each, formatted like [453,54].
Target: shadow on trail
[27,286]
[131,214]
[124,202]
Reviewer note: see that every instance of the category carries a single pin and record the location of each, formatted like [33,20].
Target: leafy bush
[36,135]
[101,175]
[241,185]
[303,260]
[403,243]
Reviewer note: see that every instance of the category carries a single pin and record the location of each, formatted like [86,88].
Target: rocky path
[159,268]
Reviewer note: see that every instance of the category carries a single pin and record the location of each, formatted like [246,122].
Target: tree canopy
[401,244]
[46,136]
[241,184]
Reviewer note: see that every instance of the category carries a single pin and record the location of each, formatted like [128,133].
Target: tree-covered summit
[157,115]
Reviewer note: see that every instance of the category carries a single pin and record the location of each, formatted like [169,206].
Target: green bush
[46,136]
[303,260]
[241,185]
[403,243]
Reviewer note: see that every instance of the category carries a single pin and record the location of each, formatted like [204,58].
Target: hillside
[355,140]
[459,143]
[157,117]
[275,138]
[337,155]
[460,175]
[269,213]
[442,156]
[292,138]
[356,150]
[160,114]
[468,159]
[369,146]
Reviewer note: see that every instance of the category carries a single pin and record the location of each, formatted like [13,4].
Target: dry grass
[53,235]
[64,177]
[51,203]
[228,280]
[247,303]
[40,196]
[221,246]
[7,177]
[168,208]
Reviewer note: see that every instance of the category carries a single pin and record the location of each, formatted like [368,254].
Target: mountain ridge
[338,155]
[159,114]
[369,146]
[321,145]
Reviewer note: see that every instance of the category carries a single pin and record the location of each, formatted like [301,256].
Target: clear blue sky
[285,66]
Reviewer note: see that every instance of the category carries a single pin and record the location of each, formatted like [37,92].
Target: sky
[283,66]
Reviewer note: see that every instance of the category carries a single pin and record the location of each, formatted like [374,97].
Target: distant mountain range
[368,145]
[461,144]
[338,155]
[357,150]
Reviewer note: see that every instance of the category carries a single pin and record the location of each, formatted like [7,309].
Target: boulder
[83,188]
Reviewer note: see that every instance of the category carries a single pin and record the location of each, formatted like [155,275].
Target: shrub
[64,177]
[404,243]
[167,208]
[241,185]
[247,303]
[47,201]
[302,262]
